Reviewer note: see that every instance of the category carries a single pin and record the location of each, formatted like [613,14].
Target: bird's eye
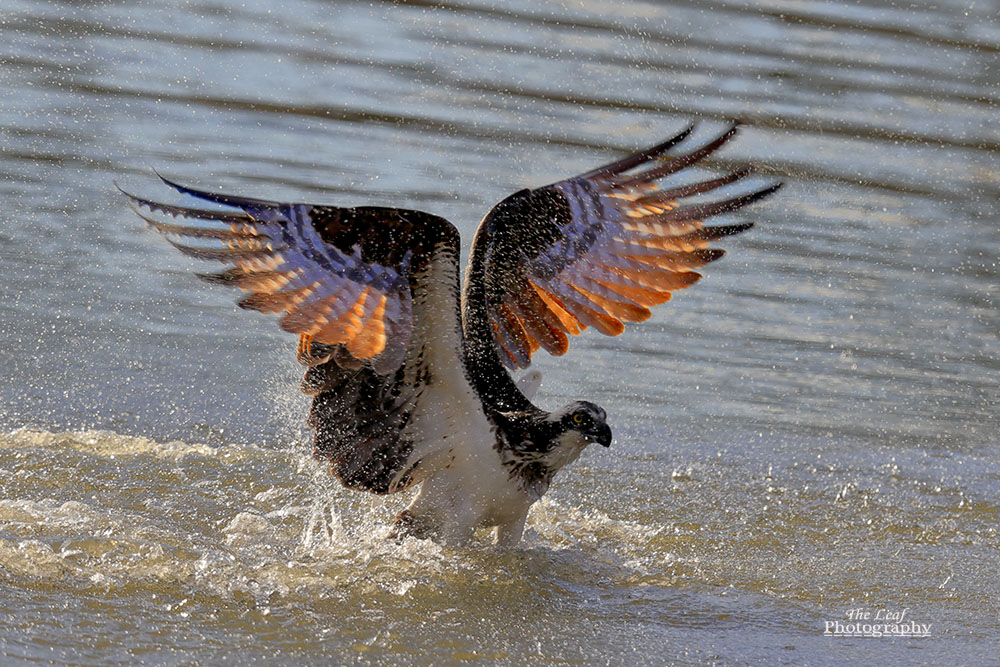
[578,418]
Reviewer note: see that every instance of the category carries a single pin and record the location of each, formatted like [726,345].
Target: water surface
[811,429]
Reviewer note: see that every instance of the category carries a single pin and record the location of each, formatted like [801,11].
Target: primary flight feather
[410,373]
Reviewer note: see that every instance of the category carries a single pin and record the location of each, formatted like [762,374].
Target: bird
[411,370]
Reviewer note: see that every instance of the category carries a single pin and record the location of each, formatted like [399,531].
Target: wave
[111,512]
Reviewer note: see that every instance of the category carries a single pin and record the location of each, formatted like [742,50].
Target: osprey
[410,372]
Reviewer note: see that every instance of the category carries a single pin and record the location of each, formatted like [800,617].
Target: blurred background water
[811,429]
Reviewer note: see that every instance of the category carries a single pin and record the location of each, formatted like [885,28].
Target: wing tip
[135,200]
[222,199]
[185,190]
[711,254]
[762,193]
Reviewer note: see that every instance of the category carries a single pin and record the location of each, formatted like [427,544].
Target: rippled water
[811,429]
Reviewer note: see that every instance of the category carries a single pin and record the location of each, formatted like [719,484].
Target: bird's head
[537,445]
[582,423]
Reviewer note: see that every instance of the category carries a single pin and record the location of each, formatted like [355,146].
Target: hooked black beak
[602,435]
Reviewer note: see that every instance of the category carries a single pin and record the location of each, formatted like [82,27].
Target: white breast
[473,491]
[466,486]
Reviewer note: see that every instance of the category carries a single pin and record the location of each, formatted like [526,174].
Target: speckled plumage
[409,371]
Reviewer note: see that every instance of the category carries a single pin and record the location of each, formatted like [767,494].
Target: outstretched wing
[373,294]
[599,249]
[339,276]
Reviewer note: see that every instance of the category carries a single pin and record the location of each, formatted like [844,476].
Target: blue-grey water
[811,429]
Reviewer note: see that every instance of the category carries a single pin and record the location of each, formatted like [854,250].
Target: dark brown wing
[597,250]
[373,292]
[339,276]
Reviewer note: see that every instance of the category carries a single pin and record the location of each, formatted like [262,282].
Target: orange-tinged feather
[676,244]
[664,281]
[547,334]
[275,302]
[266,281]
[533,345]
[503,348]
[356,314]
[513,327]
[538,320]
[607,325]
[650,225]
[343,329]
[244,228]
[569,321]
[678,262]
[262,263]
[370,341]
[640,295]
[617,309]
[311,319]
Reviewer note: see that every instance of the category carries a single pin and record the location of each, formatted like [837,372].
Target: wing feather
[311,263]
[600,249]
[373,293]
